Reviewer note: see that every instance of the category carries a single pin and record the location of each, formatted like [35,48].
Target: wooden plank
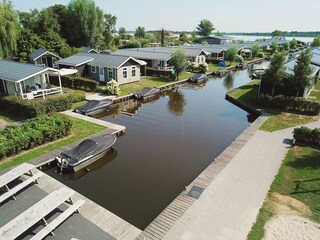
[15,173]
[34,214]
[58,220]
[20,186]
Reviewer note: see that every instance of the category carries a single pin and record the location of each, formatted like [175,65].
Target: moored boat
[146,93]
[198,78]
[86,153]
[94,107]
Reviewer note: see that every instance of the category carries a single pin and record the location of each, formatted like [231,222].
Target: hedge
[307,135]
[76,83]
[37,107]
[33,132]
[296,104]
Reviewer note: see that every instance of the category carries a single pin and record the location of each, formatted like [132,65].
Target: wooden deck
[159,227]
[101,217]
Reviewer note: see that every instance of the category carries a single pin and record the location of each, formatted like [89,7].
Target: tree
[276,71]
[162,37]
[316,41]
[276,33]
[286,46]
[178,60]
[183,37]
[293,43]
[255,50]
[205,27]
[110,24]
[9,29]
[231,54]
[122,33]
[140,32]
[274,46]
[302,70]
[86,24]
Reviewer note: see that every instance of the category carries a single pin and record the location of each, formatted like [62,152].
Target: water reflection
[176,103]
[228,81]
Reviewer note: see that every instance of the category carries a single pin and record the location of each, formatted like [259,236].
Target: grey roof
[17,72]
[290,66]
[218,37]
[141,54]
[106,60]
[75,60]
[88,50]
[40,52]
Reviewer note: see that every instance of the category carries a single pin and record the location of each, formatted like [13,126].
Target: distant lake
[253,38]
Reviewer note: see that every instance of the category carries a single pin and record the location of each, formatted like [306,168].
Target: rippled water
[168,142]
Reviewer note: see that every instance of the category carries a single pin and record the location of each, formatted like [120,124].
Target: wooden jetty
[161,225]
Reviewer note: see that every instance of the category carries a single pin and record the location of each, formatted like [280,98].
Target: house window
[110,73]
[133,71]
[93,69]
[124,72]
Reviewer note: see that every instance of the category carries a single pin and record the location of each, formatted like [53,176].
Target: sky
[185,15]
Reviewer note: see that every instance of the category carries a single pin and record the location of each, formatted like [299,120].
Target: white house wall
[129,78]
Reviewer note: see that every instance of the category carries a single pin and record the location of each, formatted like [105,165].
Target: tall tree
[274,46]
[302,70]
[86,24]
[162,37]
[293,43]
[231,54]
[276,33]
[183,38]
[9,29]
[205,27]
[316,41]
[110,28]
[140,32]
[276,71]
[178,60]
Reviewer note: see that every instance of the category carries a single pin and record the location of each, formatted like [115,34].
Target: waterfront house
[42,57]
[104,67]
[158,57]
[27,80]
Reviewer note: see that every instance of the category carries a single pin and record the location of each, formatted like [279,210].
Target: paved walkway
[229,206]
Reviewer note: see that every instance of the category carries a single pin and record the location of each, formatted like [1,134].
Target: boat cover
[94,104]
[146,92]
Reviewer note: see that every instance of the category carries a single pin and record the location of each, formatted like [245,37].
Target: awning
[64,72]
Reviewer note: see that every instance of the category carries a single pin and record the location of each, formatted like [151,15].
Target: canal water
[168,143]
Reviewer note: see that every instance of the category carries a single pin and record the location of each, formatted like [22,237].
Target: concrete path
[99,96]
[229,206]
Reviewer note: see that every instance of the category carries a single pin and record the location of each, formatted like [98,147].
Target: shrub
[300,105]
[111,88]
[33,132]
[260,55]
[306,135]
[37,107]
[203,67]
[239,59]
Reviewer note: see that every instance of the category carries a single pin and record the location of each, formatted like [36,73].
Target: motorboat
[94,107]
[197,78]
[86,153]
[146,93]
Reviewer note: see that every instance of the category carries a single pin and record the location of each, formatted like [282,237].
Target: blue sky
[226,15]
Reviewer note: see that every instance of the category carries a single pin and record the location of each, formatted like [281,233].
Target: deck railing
[41,93]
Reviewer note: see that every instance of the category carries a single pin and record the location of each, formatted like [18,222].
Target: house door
[101,74]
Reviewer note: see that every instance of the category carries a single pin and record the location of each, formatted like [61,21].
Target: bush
[296,104]
[203,67]
[111,88]
[37,107]
[306,135]
[76,83]
[33,132]
[239,59]
[260,54]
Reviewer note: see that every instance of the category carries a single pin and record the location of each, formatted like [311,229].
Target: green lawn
[301,163]
[245,92]
[80,130]
[315,93]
